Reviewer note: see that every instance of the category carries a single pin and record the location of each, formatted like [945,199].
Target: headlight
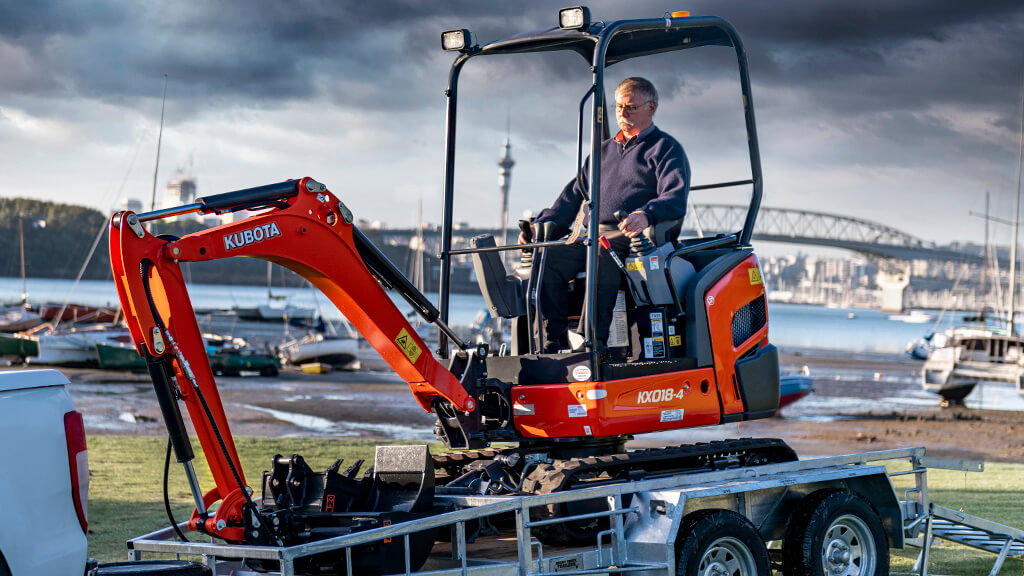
[574,18]
[456,40]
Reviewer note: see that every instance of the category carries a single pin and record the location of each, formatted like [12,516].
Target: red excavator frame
[309,231]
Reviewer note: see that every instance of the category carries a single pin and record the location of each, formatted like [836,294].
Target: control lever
[639,244]
[527,230]
[603,241]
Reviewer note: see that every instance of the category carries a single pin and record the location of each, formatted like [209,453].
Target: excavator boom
[305,229]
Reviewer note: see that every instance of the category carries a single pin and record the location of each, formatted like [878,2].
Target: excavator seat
[503,292]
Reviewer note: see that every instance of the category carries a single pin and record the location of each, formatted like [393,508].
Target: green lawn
[126,481]
[996,494]
[125,493]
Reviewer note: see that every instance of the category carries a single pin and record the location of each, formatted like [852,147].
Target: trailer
[837,514]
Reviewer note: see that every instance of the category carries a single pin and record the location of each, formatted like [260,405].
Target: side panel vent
[748,320]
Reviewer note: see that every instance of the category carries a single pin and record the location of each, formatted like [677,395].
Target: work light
[574,18]
[457,40]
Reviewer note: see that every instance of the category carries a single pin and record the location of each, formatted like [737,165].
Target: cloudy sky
[900,112]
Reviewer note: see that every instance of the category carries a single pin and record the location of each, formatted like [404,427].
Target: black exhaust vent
[748,320]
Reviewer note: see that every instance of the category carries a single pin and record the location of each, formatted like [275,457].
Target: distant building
[179,192]
[133,204]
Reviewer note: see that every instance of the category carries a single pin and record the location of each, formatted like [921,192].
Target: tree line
[58,237]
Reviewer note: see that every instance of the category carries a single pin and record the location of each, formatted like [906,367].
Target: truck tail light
[78,461]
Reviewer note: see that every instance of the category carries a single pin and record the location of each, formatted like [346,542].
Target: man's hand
[522,238]
[634,224]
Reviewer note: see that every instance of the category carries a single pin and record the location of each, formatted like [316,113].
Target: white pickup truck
[44,476]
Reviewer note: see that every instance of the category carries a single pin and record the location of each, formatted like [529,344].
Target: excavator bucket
[312,506]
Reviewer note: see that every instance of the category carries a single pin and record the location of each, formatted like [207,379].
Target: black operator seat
[503,292]
[658,243]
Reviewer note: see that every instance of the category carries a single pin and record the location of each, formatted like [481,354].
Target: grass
[126,494]
[996,494]
[126,480]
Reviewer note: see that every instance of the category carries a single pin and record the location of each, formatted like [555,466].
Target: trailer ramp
[972,531]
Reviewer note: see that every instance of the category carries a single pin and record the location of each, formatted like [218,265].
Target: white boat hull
[338,352]
[73,348]
[954,370]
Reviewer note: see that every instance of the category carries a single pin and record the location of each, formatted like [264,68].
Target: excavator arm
[305,229]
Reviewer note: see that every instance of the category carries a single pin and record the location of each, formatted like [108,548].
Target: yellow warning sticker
[635,266]
[755,275]
[675,340]
[409,347]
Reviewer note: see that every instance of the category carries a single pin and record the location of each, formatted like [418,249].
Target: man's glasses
[629,107]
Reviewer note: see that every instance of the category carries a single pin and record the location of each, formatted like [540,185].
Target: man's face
[633,113]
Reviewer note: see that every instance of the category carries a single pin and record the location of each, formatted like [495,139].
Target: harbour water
[793,326]
[855,356]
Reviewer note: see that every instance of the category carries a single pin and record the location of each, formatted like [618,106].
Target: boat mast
[21,244]
[1016,220]
[159,137]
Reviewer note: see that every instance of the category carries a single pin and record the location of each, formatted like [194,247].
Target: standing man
[645,173]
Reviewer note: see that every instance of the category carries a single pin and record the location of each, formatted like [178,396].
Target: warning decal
[409,347]
[755,275]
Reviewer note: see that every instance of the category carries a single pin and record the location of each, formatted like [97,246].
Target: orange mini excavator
[689,344]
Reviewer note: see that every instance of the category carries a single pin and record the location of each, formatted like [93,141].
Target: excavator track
[575,473]
[563,475]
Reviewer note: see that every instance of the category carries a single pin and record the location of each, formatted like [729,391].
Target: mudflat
[860,403]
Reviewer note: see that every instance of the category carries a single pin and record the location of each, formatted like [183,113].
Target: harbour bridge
[783,225]
[820,229]
[892,250]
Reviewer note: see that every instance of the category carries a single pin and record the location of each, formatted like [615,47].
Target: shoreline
[862,402]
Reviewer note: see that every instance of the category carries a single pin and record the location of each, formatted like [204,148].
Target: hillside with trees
[58,238]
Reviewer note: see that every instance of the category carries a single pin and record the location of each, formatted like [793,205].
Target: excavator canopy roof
[631,38]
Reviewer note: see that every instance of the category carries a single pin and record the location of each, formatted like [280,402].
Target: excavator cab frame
[601,44]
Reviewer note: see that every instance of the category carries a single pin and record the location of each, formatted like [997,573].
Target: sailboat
[981,351]
[272,313]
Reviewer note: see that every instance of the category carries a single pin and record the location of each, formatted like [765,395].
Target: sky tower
[505,164]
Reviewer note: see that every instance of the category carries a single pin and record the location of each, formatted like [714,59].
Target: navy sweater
[649,173]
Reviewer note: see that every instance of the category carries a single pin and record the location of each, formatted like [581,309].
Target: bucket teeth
[353,470]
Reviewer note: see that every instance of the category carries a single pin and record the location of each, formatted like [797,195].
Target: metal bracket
[135,225]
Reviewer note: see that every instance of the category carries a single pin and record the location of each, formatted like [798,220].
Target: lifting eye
[202,251]
[703,386]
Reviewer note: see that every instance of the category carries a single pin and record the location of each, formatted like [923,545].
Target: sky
[904,113]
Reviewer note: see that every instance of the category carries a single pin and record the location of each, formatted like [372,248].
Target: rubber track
[448,466]
[688,458]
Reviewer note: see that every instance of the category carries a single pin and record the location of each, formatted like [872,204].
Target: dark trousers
[562,264]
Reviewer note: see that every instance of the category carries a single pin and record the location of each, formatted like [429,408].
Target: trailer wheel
[154,568]
[720,542]
[835,533]
[269,371]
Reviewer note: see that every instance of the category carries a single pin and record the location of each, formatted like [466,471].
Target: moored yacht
[966,355]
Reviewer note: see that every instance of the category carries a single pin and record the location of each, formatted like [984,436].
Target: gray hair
[641,86]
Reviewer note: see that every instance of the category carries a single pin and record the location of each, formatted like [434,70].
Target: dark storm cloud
[872,57]
[260,52]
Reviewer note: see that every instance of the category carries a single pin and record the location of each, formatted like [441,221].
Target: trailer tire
[838,533]
[720,542]
[154,568]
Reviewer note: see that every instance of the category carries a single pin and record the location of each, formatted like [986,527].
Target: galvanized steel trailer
[696,523]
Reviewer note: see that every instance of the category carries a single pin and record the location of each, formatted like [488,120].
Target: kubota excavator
[690,348]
